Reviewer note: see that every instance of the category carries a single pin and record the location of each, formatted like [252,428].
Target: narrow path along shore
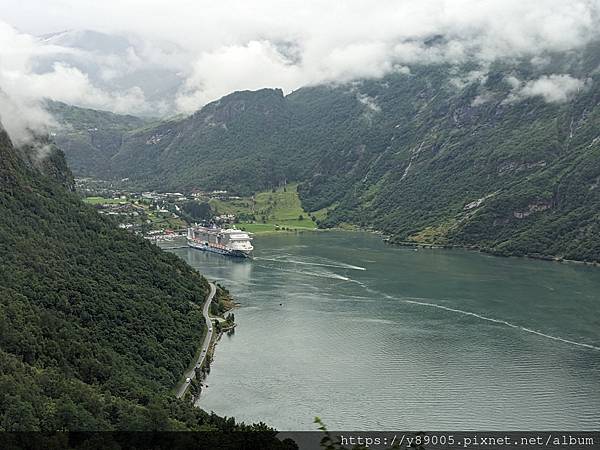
[191,374]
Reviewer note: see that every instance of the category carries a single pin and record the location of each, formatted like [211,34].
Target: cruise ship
[230,241]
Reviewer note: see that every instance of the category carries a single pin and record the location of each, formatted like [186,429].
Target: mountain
[96,325]
[503,158]
[90,137]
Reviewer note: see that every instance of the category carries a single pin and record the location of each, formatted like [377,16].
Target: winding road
[191,374]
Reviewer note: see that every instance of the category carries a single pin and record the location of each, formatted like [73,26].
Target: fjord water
[370,336]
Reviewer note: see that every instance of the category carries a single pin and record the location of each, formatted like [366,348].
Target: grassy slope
[103,201]
[279,210]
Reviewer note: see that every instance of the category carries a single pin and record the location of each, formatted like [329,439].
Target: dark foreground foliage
[96,325]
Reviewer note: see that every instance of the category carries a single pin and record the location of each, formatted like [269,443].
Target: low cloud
[23,118]
[23,89]
[70,85]
[369,102]
[371,108]
[552,88]
[474,76]
[20,112]
[252,66]
[144,58]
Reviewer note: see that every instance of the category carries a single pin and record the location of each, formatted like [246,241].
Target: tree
[19,416]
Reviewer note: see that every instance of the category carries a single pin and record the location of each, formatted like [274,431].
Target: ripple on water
[413,341]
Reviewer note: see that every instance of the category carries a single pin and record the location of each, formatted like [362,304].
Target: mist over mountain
[471,124]
[503,159]
[119,65]
[156,61]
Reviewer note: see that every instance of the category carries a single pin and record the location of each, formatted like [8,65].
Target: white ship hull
[206,247]
[228,242]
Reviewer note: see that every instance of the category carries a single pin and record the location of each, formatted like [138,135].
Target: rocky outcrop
[532,208]
[514,166]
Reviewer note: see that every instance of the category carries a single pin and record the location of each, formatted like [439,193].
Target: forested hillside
[503,157]
[96,325]
[90,137]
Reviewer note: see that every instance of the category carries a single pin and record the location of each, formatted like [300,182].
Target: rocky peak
[264,103]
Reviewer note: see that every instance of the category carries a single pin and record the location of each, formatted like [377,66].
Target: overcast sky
[216,47]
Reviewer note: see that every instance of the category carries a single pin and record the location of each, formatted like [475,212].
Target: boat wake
[329,275]
[419,302]
[413,301]
[502,322]
[336,265]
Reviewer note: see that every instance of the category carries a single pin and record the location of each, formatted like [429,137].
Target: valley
[419,156]
[243,224]
[146,213]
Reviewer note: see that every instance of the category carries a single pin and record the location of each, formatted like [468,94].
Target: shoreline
[386,239]
[203,361]
[190,374]
[424,245]
[548,258]
[203,370]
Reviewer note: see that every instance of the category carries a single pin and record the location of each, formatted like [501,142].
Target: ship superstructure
[229,241]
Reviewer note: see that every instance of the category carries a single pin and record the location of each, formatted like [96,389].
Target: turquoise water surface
[368,336]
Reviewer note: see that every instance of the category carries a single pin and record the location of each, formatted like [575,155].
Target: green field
[265,212]
[104,201]
[278,210]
